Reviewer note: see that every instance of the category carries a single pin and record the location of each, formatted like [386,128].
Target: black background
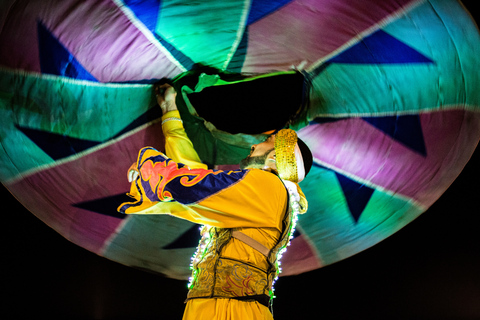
[428,270]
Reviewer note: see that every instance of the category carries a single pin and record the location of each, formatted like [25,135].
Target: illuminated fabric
[393,112]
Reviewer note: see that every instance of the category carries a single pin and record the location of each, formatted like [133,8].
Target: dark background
[428,270]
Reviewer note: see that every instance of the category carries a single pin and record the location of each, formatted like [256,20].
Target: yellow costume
[246,217]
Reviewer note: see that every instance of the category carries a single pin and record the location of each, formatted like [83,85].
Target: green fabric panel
[377,89]
[447,35]
[207,32]
[340,236]
[362,90]
[78,109]
[465,37]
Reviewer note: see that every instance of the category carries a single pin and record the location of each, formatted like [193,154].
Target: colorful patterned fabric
[393,112]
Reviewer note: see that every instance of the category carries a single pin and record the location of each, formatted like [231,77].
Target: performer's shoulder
[267,178]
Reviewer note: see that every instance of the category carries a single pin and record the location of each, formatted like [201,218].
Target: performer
[248,215]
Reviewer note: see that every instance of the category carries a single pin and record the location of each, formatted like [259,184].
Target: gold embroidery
[285,141]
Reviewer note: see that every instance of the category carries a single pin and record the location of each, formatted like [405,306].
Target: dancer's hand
[166,95]
[132,173]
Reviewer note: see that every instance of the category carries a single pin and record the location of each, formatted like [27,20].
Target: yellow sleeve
[253,202]
[225,199]
[178,146]
[258,200]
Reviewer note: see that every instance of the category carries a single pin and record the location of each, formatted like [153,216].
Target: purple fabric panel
[310,29]
[18,36]
[97,33]
[359,150]
[52,193]
[300,257]
[106,43]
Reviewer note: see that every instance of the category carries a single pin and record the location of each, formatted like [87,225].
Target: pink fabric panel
[97,33]
[51,193]
[359,150]
[300,257]
[310,29]
[20,32]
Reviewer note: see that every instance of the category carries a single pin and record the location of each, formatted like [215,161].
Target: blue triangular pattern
[183,59]
[146,11]
[105,206]
[404,129]
[188,239]
[356,195]
[57,146]
[236,63]
[56,59]
[262,8]
[380,48]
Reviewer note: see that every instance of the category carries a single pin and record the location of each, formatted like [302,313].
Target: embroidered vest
[217,276]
